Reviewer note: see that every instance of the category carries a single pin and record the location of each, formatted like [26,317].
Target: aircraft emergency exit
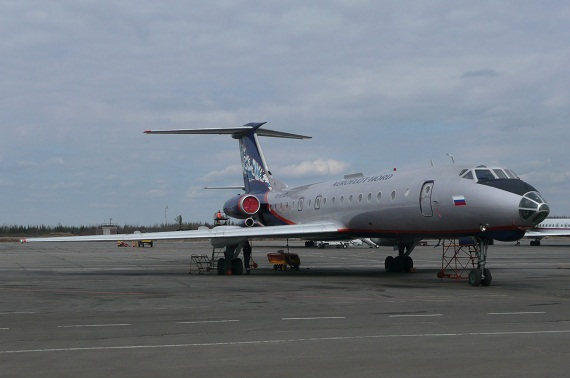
[401,206]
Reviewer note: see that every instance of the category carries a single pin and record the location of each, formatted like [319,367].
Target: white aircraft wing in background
[545,233]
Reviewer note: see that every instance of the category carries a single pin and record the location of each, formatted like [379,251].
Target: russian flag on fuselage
[459,201]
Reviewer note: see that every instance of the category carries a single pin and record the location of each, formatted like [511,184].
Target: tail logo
[252,170]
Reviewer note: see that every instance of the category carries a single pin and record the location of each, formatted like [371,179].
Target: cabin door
[425,199]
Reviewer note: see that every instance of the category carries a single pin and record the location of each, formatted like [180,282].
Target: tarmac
[93,310]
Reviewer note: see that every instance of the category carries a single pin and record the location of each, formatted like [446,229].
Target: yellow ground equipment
[281,259]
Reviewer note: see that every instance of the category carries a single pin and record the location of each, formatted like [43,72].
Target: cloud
[231,172]
[319,167]
[377,84]
[486,72]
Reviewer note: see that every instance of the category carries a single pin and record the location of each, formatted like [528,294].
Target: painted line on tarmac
[316,318]
[414,315]
[4,329]
[517,313]
[209,321]
[16,313]
[283,341]
[94,325]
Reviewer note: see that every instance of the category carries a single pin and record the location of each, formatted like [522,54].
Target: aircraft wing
[546,233]
[322,229]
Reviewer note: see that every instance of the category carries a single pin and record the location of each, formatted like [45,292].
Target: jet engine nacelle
[242,207]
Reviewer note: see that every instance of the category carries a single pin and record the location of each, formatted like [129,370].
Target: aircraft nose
[533,208]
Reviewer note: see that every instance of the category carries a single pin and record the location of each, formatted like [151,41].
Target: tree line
[35,230]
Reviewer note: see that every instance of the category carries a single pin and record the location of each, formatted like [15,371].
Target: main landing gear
[481,275]
[230,263]
[401,263]
[535,243]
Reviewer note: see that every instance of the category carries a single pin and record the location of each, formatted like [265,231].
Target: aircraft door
[425,199]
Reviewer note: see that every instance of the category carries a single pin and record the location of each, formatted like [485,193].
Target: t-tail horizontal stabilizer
[257,177]
[236,132]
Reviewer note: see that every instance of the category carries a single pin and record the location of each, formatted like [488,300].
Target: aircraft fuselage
[420,204]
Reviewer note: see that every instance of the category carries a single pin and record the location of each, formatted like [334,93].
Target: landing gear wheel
[221,266]
[388,263]
[408,264]
[237,267]
[488,278]
[398,264]
[475,277]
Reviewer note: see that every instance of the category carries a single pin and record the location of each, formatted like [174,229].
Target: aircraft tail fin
[256,174]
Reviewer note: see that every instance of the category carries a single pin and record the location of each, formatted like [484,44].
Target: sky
[377,84]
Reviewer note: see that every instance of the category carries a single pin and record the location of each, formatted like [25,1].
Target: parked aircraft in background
[402,207]
[555,226]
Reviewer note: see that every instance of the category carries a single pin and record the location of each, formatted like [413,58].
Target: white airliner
[555,226]
[401,206]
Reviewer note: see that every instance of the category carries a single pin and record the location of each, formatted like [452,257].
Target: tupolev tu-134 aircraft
[400,206]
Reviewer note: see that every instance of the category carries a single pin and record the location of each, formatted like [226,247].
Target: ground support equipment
[200,264]
[281,259]
[458,258]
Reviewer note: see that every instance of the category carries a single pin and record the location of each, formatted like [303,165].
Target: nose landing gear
[481,275]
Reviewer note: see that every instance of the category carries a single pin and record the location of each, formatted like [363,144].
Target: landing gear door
[425,199]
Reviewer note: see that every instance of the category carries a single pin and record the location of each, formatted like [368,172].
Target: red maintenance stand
[459,257]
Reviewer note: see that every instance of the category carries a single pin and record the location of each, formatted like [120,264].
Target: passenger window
[379,196]
[317,203]
[300,206]
[393,195]
[369,197]
[360,197]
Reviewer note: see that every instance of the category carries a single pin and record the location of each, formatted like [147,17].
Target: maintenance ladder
[203,264]
[458,258]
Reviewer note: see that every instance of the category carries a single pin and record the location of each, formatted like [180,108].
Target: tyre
[488,278]
[408,264]
[398,264]
[237,267]
[388,263]
[221,266]
[475,277]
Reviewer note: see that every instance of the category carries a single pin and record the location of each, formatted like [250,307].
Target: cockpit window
[500,174]
[511,173]
[535,196]
[468,175]
[484,174]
